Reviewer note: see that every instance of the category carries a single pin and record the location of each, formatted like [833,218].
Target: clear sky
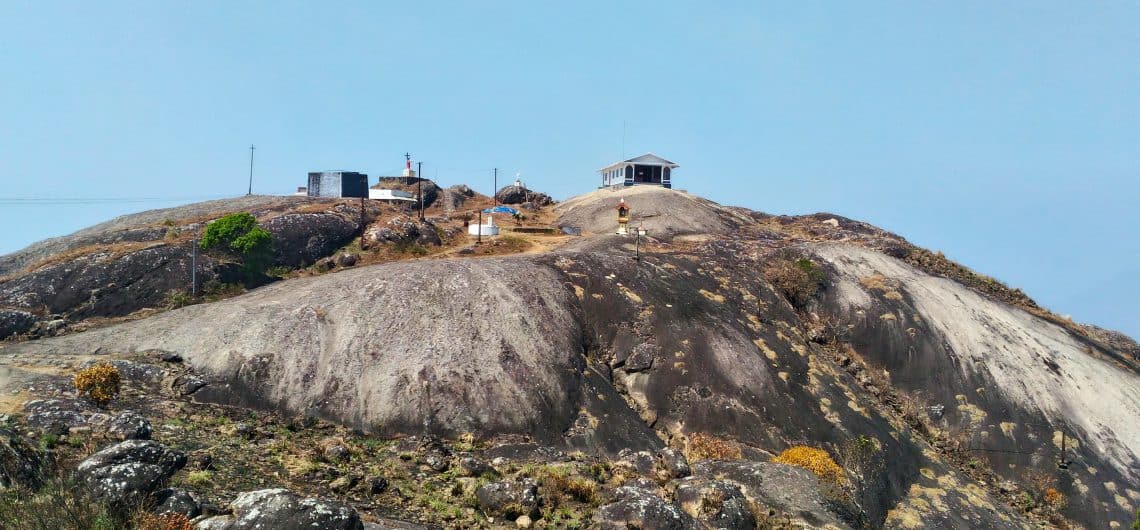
[1006,134]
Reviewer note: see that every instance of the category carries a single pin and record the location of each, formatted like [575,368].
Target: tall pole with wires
[420,186]
[250,192]
[194,264]
[495,190]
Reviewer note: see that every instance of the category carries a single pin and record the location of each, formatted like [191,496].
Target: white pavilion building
[645,169]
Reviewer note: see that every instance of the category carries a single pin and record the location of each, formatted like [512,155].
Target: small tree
[99,383]
[239,235]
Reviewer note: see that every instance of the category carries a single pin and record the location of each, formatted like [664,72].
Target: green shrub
[238,234]
[177,298]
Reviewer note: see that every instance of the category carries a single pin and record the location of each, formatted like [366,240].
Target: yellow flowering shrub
[99,383]
[815,460]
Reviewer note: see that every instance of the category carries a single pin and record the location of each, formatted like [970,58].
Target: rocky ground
[411,377]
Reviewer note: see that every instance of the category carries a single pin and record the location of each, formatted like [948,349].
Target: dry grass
[114,251]
[166,521]
[702,446]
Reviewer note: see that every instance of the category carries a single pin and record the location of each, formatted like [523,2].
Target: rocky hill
[747,371]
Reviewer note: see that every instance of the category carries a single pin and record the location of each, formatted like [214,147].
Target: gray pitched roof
[650,158]
[647,159]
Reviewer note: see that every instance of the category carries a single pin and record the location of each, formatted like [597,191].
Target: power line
[48,201]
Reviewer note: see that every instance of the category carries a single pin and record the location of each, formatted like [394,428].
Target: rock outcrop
[281,509]
[513,194]
[20,461]
[127,473]
[694,346]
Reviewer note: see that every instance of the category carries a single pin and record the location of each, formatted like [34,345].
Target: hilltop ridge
[757,332]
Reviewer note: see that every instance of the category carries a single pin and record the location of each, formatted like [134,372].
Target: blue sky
[1005,134]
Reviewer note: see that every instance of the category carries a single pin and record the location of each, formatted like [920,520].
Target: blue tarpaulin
[501,209]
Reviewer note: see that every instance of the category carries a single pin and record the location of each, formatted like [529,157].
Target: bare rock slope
[585,348]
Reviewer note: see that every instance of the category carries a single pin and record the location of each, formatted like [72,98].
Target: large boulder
[639,507]
[127,473]
[509,498]
[784,489]
[281,509]
[717,502]
[15,322]
[414,185]
[176,501]
[300,239]
[19,461]
[404,230]
[59,414]
[513,194]
[129,425]
[131,371]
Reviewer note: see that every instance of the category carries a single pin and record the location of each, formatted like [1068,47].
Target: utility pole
[194,266]
[479,237]
[363,245]
[250,192]
[420,186]
[495,191]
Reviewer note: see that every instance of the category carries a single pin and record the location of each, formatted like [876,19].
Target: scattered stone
[240,429]
[337,453]
[523,521]
[509,498]
[343,484]
[281,509]
[674,463]
[201,460]
[641,508]
[347,260]
[436,455]
[474,467]
[127,472]
[174,500]
[640,461]
[377,485]
[129,425]
[642,357]
[168,356]
[187,384]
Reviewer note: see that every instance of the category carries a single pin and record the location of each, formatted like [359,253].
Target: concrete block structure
[337,184]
